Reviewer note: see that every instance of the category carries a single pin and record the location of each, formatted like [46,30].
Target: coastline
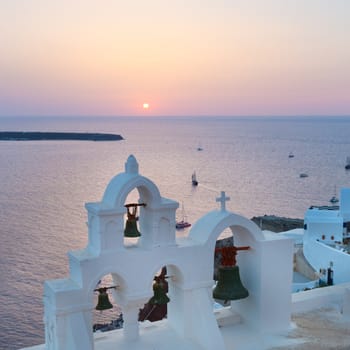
[277,223]
[59,136]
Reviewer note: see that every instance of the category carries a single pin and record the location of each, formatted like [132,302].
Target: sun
[145,105]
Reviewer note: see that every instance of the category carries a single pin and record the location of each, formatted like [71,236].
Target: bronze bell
[159,292]
[131,222]
[156,308]
[103,300]
[131,228]
[229,285]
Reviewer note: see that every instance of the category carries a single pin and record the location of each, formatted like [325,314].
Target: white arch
[208,228]
[121,185]
[88,291]
[174,270]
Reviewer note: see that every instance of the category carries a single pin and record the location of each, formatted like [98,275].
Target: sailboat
[183,222]
[347,166]
[334,199]
[194,179]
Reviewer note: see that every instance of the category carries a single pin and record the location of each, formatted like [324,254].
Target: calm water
[45,184]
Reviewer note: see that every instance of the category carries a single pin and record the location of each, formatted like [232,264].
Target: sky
[181,57]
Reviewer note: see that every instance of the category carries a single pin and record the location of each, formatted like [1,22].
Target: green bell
[131,222]
[229,285]
[159,293]
[131,229]
[103,300]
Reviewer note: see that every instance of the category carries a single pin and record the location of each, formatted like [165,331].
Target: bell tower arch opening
[107,314]
[156,307]
[148,218]
[228,283]
[132,220]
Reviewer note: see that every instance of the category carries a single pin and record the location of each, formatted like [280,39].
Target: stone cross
[223,199]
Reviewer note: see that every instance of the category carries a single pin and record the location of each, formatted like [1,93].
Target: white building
[260,321]
[324,224]
[191,323]
[326,238]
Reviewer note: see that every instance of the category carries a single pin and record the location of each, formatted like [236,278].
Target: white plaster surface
[265,270]
[320,320]
[323,238]
[270,318]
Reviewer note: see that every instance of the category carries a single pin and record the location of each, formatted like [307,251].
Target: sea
[44,186]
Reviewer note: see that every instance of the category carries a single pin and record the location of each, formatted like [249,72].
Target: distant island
[60,136]
[277,223]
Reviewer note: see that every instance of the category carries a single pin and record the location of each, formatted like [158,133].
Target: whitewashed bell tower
[189,260]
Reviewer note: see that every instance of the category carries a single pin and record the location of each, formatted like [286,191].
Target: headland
[277,223]
[58,136]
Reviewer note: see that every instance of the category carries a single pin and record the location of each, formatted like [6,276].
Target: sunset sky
[181,57]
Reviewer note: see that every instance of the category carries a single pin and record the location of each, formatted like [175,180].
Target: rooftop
[320,320]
